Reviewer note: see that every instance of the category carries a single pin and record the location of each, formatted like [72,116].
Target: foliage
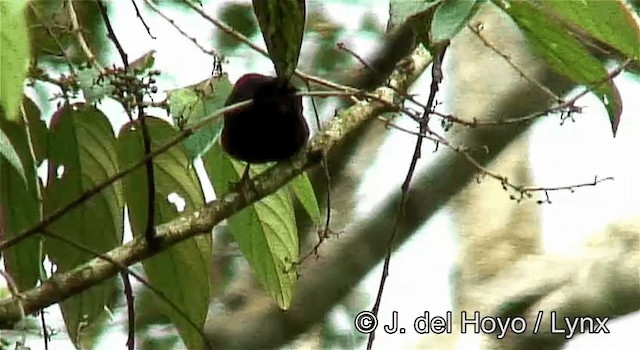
[83,152]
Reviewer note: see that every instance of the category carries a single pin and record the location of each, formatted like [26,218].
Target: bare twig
[139,15]
[53,36]
[77,31]
[45,331]
[568,105]
[424,128]
[342,46]
[131,311]
[111,34]
[155,9]
[476,30]
[524,191]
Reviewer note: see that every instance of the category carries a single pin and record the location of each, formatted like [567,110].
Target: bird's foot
[245,185]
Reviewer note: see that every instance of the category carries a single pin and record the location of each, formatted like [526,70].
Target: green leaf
[266,231]
[450,17]
[403,10]
[14,56]
[303,190]
[8,151]
[82,155]
[143,63]
[282,25]
[37,129]
[566,55]
[191,104]
[611,22]
[19,204]
[181,272]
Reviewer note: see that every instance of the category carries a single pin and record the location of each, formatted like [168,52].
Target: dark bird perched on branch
[271,129]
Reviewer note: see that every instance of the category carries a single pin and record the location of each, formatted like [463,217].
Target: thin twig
[327,176]
[424,128]
[155,9]
[111,34]
[131,310]
[49,31]
[524,191]
[343,47]
[45,331]
[406,95]
[476,30]
[139,15]
[566,105]
[77,31]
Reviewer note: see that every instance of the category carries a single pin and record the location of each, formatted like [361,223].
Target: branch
[63,285]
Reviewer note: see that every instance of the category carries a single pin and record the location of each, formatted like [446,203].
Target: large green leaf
[566,55]
[303,190]
[611,22]
[81,155]
[14,56]
[191,104]
[266,231]
[282,25]
[182,271]
[19,204]
[450,17]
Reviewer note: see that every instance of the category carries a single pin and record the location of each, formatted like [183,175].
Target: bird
[273,128]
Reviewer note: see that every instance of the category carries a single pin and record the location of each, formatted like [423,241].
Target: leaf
[182,271]
[82,155]
[19,204]
[450,17]
[303,190]
[37,128]
[191,104]
[8,151]
[401,11]
[282,25]
[610,22]
[143,63]
[566,55]
[14,56]
[266,231]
